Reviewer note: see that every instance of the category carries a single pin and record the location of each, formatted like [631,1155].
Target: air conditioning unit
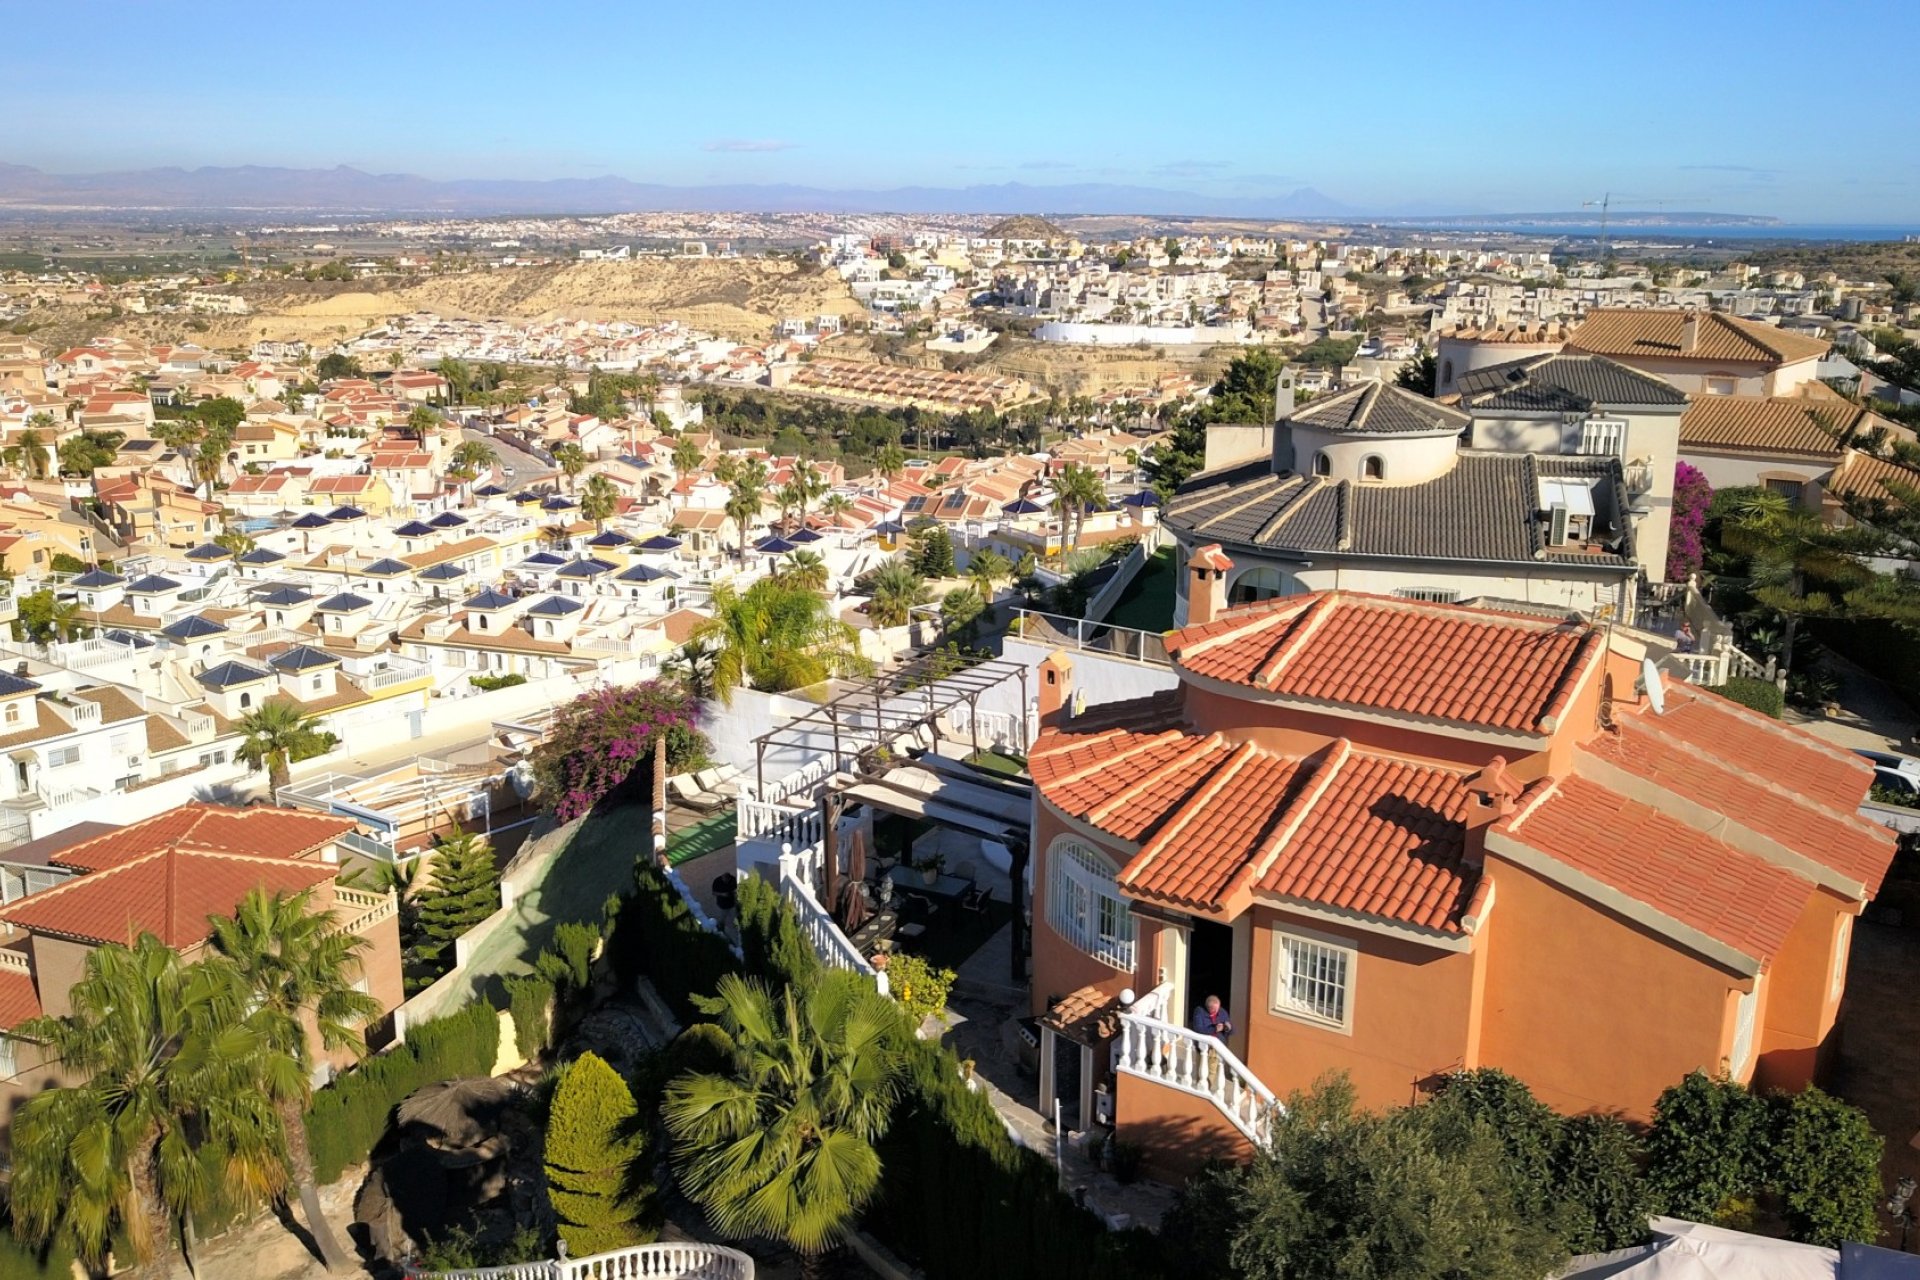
[1557,525]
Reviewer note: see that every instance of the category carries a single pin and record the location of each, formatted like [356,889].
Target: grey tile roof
[191,627]
[1375,408]
[283,596]
[97,578]
[555,607]
[1487,508]
[302,657]
[387,567]
[230,673]
[488,599]
[152,584]
[1564,383]
[345,602]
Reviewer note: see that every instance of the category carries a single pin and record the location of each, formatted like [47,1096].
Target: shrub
[770,938]
[920,988]
[600,738]
[1763,696]
[1708,1149]
[487,684]
[656,934]
[529,999]
[348,1117]
[1692,498]
[575,944]
[1826,1168]
[594,1149]
[1596,1169]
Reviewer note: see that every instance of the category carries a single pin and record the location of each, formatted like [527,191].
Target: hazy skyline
[1490,107]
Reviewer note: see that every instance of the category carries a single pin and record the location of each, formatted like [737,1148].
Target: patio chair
[683,789]
[716,783]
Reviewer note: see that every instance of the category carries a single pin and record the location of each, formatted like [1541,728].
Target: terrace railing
[671,1260]
[1150,1048]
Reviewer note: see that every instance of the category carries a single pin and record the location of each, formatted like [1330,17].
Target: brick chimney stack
[1207,584]
[1056,690]
[1492,794]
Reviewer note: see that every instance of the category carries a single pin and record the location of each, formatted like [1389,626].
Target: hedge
[1763,696]
[655,934]
[349,1117]
[529,1000]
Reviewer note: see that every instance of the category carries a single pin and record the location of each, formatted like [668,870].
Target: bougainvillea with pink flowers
[599,738]
[1692,495]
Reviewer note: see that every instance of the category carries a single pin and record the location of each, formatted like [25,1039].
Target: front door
[1209,970]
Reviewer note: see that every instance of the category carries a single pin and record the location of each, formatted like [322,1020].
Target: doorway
[1210,968]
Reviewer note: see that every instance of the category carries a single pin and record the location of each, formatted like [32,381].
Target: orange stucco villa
[1400,839]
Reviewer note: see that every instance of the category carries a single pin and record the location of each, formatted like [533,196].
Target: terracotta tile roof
[1613,331]
[1707,722]
[1735,898]
[18,999]
[1767,424]
[260,832]
[1435,661]
[168,893]
[1864,478]
[1087,1017]
[1833,837]
[1341,829]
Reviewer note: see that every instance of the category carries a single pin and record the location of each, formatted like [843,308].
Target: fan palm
[599,500]
[33,453]
[780,1143]
[894,588]
[837,505]
[890,461]
[170,1112]
[687,456]
[743,507]
[298,967]
[469,459]
[571,459]
[806,569]
[692,665]
[274,734]
[988,567]
[776,636]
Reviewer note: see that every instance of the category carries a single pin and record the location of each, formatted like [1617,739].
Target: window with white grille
[1606,437]
[1313,980]
[60,757]
[1085,907]
[9,1060]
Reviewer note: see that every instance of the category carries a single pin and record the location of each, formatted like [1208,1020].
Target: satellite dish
[1656,690]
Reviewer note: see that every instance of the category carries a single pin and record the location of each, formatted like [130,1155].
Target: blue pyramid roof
[191,627]
[387,567]
[555,607]
[490,598]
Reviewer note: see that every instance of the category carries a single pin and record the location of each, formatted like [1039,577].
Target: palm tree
[790,497]
[33,453]
[1077,490]
[780,1142]
[743,507]
[687,456]
[692,665]
[777,636]
[469,458]
[170,1105]
[571,459]
[806,569]
[66,619]
[647,388]
[890,461]
[987,567]
[599,500]
[894,588]
[836,505]
[726,468]
[298,969]
[275,734]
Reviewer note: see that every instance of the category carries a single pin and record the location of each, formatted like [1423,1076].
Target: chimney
[1282,427]
[1492,794]
[1207,584]
[1056,689]
[1689,333]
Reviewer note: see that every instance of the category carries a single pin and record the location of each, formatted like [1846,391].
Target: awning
[938,796]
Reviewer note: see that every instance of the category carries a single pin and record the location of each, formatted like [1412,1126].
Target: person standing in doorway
[1210,1019]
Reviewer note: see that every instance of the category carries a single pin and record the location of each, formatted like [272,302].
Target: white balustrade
[1201,1065]
[668,1260]
[834,948]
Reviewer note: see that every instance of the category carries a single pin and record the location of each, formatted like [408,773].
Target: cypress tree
[594,1147]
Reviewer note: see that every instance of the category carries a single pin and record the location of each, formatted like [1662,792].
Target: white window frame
[1325,968]
[63,757]
[1429,595]
[1084,905]
[9,1057]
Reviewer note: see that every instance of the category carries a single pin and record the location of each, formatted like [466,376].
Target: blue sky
[1726,106]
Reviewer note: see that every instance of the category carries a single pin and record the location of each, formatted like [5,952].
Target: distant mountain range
[258,188]
[255,187]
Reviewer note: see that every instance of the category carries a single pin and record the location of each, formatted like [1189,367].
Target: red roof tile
[1655,859]
[18,999]
[169,893]
[1719,775]
[1436,661]
[262,832]
[1709,722]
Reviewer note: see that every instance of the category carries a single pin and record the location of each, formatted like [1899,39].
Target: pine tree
[934,556]
[465,889]
[594,1148]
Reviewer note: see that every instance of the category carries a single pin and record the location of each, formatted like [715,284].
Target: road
[519,468]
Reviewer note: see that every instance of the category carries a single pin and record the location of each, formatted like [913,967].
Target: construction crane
[1604,203]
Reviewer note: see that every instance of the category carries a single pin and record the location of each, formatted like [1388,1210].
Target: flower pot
[930,874]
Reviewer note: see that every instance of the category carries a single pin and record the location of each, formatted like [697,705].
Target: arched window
[1373,467]
[1085,907]
[1322,464]
[1261,582]
[1446,375]
[246,699]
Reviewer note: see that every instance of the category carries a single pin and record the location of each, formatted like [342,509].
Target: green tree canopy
[595,1144]
[465,888]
